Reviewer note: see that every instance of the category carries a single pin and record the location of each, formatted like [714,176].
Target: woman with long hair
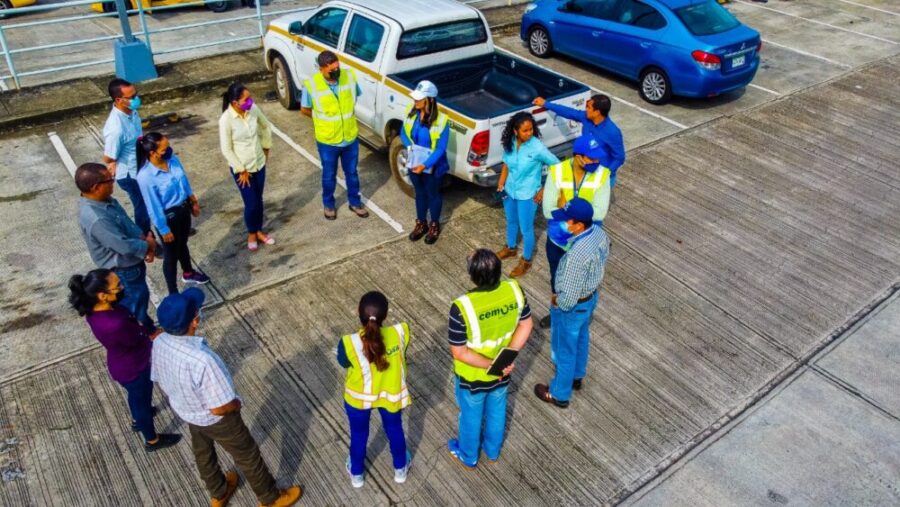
[170,203]
[375,359]
[245,138]
[425,135]
[524,156]
[95,296]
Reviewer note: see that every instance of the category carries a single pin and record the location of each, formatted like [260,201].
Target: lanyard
[577,186]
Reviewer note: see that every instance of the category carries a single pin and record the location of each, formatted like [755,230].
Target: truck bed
[491,85]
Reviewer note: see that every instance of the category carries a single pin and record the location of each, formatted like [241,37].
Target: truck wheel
[218,6]
[284,84]
[539,42]
[397,159]
[655,86]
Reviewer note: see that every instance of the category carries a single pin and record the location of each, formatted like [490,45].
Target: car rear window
[436,38]
[707,18]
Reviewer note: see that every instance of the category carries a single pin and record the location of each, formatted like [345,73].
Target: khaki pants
[232,434]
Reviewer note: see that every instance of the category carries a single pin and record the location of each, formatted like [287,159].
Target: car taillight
[478,150]
[706,60]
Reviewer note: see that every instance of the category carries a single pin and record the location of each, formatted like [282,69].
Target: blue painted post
[134,62]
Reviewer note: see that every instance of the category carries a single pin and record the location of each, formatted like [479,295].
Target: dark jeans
[554,255]
[137,294]
[253,199]
[349,157]
[392,422]
[233,436]
[141,218]
[179,221]
[140,402]
[428,196]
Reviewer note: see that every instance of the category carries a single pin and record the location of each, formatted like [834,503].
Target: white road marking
[773,92]
[870,7]
[597,90]
[67,161]
[315,161]
[829,25]
[805,53]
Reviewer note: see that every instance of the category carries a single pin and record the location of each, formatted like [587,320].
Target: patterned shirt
[194,377]
[581,269]
[120,135]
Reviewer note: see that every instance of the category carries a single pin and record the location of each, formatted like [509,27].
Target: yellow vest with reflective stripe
[437,127]
[491,318]
[562,173]
[333,118]
[365,386]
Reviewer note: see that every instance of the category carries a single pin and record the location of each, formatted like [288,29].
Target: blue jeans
[569,345]
[252,196]
[428,196]
[520,218]
[392,422]
[349,157]
[487,409]
[131,187]
[137,294]
[140,403]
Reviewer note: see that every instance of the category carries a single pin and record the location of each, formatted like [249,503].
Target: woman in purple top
[128,345]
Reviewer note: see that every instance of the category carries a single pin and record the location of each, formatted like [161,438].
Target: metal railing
[146,34]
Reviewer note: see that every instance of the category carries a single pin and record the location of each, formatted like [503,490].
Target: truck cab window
[325,26]
[363,38]
[443,37]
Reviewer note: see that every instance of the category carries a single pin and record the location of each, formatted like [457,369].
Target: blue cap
[177,311]
[577,209]
[424,89]
[588,146]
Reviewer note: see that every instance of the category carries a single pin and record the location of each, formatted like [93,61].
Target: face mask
[167,155]
[247,105]
[120,296]
[135,103]
[558,232]
[335,74]
[591,167]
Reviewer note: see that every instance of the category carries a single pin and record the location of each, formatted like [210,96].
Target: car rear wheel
[397,158]
[284,84]
[539,42]
[655,86]
[218,6]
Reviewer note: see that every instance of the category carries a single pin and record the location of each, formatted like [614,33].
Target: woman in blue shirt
[524,157]
[426,127]
[170,203]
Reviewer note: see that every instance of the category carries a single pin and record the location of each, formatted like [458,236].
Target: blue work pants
[349,157]
[392,422]
[428,196]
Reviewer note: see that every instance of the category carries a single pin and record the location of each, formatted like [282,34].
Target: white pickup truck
[393,44]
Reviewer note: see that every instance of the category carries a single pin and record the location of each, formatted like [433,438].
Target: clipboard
[503,359]
[417,155]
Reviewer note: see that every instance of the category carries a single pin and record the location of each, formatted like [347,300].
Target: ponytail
[147,144]
[83,290]
[232,94]
[373,308]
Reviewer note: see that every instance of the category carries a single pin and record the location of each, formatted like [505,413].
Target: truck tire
[397,159]
[218,6]
[655,86]
[284,83]
[539,42]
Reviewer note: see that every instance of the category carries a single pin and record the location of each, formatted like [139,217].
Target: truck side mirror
[296,28]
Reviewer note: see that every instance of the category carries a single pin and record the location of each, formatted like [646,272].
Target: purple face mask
[247,105]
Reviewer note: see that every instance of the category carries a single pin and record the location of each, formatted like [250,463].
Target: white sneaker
[356,480]
[401,473]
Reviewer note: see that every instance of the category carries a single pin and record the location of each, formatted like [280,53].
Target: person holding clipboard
[483,322]
[425,134]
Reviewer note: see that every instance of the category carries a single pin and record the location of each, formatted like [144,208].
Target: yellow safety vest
[366,387]
[491,317]
[437,128]
[564,176]
[333,118]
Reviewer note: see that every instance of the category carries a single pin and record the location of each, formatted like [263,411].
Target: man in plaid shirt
[578,276]
[201,392]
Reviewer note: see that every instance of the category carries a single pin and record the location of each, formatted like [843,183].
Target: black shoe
[134,424]
[544,323]
[577,384]
[165,440]
[542,391]
[192,232]
[418,231]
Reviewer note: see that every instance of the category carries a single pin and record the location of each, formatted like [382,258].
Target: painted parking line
[67,161]
[829,25]
[870,7]
[315,161]
[806,53]
[597,90]
[773,92]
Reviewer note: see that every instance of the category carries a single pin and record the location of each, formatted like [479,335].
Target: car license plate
[737,61]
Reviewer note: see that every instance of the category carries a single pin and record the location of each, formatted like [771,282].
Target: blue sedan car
[691,48]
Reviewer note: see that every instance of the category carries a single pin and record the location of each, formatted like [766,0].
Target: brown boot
[434,231]
[520,268]
[418,231]
[231,482]
[507,253]
[286,497]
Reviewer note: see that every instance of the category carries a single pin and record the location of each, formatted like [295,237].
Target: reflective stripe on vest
[334,120]
[563,176]
[490,324]
[435,131]
[360,392]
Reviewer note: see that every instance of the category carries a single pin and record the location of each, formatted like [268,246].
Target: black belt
[587,298]
[184,204]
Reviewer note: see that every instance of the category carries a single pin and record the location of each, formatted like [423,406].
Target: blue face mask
[135,103]
[591,167]
[558,232]
[167,155]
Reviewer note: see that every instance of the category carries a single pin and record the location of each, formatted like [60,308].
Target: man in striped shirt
[577,278]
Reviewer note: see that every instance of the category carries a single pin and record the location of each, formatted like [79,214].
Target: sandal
[252,246]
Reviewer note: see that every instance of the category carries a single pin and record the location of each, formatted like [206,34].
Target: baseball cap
[424,89]
[577,209]
[178,310]
[588,146]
